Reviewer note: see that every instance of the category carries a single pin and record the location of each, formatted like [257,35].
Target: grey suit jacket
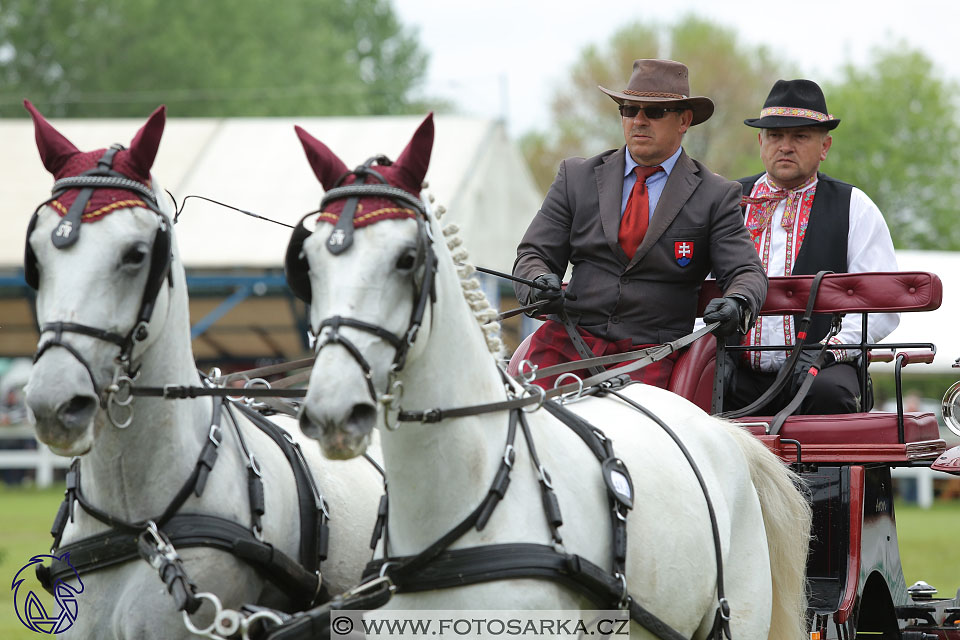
[696,229]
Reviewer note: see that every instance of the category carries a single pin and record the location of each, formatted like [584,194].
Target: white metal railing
[41,460]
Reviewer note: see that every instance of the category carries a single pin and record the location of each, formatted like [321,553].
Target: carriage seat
[864,437]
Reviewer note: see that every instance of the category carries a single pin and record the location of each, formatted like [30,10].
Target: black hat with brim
[794,103]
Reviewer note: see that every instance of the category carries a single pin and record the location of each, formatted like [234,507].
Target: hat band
[655,94]
[795,112]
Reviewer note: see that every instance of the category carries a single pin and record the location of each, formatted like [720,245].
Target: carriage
[854,575]
[855,582]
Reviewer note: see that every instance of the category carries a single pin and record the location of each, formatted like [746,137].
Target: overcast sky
[502,57]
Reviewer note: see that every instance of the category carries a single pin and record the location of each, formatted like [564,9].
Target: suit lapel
[680,186]
[610,189]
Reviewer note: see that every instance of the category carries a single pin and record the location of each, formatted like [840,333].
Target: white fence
[41,460]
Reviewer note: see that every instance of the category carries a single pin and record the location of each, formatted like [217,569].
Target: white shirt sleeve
[869,248]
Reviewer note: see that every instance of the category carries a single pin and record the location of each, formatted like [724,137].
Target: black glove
[726,311]
[805,361]
[554,295]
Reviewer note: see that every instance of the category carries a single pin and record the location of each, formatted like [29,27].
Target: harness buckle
[624,598]
[214,434]
[724,609]
[509,455]
[544,477]
[431,415]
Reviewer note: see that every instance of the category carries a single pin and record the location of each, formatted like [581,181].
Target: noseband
[341,239]
[66,234]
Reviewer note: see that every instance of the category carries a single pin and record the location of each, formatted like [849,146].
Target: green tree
[899,141]
[737,78]
[243,58]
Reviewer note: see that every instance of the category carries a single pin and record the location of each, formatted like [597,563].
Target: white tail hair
[787,518]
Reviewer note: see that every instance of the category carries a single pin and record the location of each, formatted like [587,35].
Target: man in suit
[802,221]
[642,226]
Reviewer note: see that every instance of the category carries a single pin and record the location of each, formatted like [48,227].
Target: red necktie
[636,216]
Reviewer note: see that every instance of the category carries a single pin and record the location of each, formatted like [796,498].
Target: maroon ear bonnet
[63,159]
[407,173]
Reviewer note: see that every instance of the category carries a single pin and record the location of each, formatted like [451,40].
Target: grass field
[928,545]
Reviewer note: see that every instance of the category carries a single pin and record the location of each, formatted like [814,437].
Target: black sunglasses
[652,113]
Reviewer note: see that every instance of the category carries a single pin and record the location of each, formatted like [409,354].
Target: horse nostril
[78,412]
[362,418]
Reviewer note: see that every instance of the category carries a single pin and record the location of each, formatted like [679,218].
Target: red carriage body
[855,578]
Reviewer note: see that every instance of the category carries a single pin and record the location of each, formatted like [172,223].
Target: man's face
[792,155]
[651,141]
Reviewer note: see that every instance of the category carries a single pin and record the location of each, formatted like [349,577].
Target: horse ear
[325,164]
[54,148]
[143,149]
[415,159]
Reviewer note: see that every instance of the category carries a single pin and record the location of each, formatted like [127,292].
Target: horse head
[98,252]
[366,266]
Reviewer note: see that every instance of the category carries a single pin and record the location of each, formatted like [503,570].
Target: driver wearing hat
[642,226]
[802,221]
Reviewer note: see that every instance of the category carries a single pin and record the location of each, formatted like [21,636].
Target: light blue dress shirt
[655,183]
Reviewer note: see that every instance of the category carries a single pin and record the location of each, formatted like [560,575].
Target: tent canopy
[258,165]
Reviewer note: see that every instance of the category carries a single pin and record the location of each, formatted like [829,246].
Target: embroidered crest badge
[683,252]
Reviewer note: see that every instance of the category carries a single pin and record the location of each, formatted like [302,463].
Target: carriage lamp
[951,408]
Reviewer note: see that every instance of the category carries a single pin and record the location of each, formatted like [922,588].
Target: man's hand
[805,361]
[553,295]
[726,311]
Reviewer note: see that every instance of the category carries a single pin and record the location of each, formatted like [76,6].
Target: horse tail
[787,518]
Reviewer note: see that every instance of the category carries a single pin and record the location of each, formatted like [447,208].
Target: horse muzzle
[340,437]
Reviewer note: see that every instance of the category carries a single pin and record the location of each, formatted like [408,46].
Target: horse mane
[483,312]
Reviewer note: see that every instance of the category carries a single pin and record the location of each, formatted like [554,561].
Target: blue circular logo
[29,607]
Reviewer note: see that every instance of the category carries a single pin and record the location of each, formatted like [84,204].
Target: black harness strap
[300,581]
[578,343]
[184,530]
[786,371]
[459,567]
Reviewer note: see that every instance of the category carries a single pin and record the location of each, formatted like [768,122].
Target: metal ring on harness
[571,396]
[247,623]
[543,397]
[208,630]
[527,377]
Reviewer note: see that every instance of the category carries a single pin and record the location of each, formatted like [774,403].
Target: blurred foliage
[736,77]
[95,58]
[899,141]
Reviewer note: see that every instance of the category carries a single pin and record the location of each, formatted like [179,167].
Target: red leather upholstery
[855,428]
[847,293]
[692,375]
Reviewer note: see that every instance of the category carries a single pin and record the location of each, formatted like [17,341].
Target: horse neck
[438,473]
[134,472]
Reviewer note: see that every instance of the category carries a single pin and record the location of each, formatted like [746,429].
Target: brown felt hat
[663,81]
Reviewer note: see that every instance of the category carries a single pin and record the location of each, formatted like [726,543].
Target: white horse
[439,472]
[133,473]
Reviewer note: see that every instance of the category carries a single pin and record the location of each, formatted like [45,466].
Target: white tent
[258,165]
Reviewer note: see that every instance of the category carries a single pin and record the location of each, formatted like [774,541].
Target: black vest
[825,242]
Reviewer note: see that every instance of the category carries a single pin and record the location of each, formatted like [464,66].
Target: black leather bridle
[296,268]
[68,232]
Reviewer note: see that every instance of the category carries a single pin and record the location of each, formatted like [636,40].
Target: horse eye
[407,260]
[135,255]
